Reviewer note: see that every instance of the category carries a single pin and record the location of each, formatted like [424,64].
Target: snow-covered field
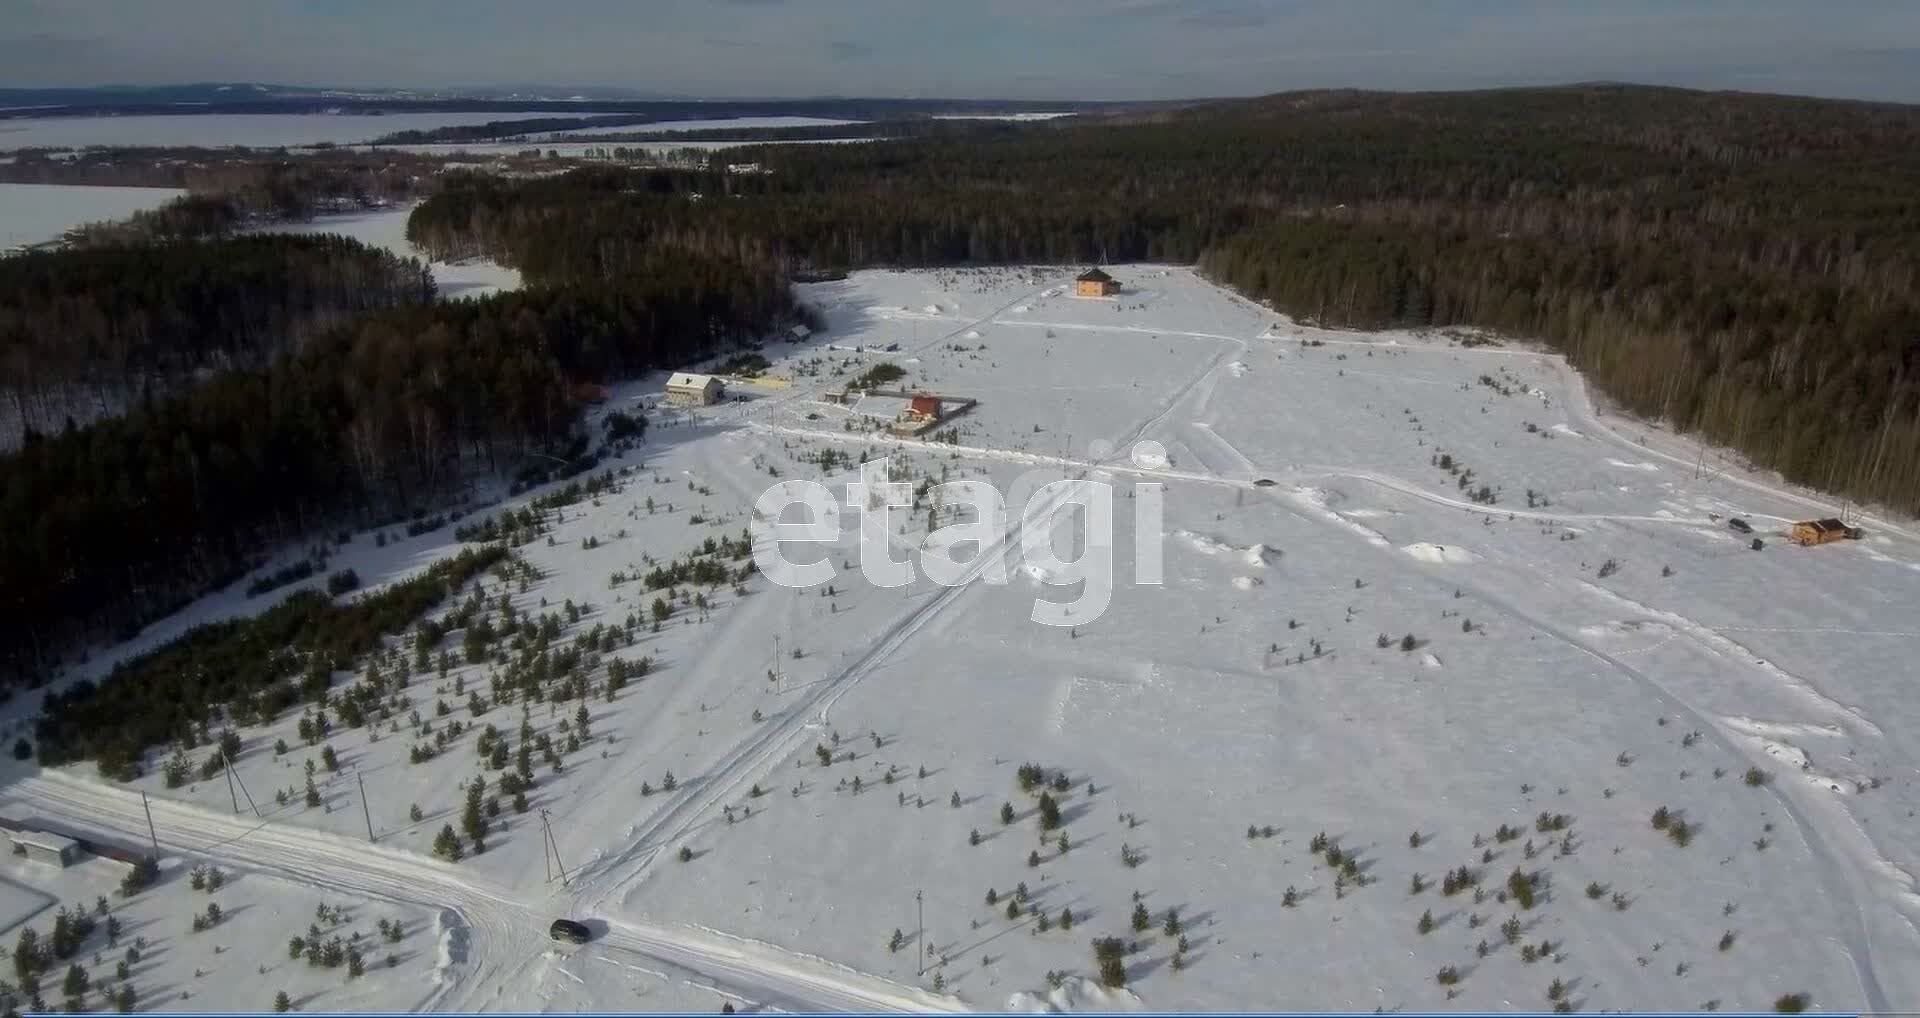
[239,962]
[1346,643]
[219,130]
[387,228]
[36,213]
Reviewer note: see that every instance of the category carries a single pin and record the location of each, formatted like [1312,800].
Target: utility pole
[227,765]
[242,782]
[365,811]
[775,670]
[920,929]
[150,832]
[553,845]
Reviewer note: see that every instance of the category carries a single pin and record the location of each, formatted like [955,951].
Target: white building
[687,389]
[41,847]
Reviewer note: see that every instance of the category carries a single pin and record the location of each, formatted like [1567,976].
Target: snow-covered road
[503,933]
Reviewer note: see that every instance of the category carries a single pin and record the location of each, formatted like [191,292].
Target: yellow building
[1095,283]
[1811,532]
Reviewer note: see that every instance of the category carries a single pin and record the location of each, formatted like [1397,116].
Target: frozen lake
[36,213]
[215,130]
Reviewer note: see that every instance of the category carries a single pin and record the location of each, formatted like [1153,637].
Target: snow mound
[1238,368]
[1039,574]
[1780,729]
[450,944]
[1429,660]
[972,334]
[1204,544]
[1257,556]
[1565,430]
[1248,582]
[1319,502]
[1149,456]
[1075,993]
[1021,309]
[1440,554]
[1627,627]
[1624,465]
[932,309]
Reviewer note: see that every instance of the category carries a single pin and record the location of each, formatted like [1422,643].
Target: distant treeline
[923,127]
[1745,266]
[106,526]
[493,129]
[103,327]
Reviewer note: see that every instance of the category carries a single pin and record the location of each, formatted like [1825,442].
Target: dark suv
[570,931]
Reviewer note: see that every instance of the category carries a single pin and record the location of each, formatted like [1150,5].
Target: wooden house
[1812,532]
[1095,283]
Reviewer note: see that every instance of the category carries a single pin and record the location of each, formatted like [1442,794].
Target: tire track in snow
[772,742]
[504,927]
[1727,648]
[1844,884]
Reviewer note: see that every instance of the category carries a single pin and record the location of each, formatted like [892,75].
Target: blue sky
[1043,49]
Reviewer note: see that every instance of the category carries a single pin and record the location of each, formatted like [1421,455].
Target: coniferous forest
[1744,266]
[298,427]
[95,329]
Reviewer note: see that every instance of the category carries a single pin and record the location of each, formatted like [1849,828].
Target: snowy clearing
[387,228]
[1359,676]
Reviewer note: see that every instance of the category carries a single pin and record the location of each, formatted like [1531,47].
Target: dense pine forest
[1743,266]
[85,332]
[108,525]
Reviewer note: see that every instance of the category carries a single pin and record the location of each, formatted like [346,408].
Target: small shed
[798,334]
[1095,283]
[688,389]
[39,846]
[1812,532]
